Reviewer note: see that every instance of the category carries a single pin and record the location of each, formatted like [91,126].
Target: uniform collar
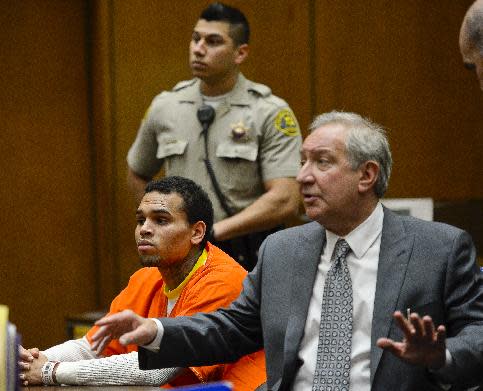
[237,96]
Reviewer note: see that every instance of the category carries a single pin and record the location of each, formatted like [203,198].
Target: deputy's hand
[33,375]
[129,327]
[422,343]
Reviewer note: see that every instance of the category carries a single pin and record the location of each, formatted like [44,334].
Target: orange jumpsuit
[214,285]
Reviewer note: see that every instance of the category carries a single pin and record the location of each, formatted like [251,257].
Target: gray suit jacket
[428,267]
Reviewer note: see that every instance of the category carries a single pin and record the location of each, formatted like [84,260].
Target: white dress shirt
[154,344]
[362,261]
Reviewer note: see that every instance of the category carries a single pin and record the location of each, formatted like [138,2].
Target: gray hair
[366,141]
[474,27]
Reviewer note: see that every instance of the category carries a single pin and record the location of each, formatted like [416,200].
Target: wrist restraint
[48,372]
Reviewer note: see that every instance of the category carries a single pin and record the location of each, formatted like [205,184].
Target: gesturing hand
[422,343]
[129,327]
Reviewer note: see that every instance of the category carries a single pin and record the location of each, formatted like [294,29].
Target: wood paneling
[47,267]
[398,63]
[102,86]
[77,76]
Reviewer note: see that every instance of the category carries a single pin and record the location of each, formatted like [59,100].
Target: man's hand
[422,343]
[31,372]
[129,327]
[26,356]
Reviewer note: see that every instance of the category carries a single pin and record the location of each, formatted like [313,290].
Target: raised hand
[422,344]
[129,327]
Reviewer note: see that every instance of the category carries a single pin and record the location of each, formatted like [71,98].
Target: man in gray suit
[409,301]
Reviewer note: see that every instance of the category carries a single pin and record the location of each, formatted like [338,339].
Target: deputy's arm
[136,184]
[279,203]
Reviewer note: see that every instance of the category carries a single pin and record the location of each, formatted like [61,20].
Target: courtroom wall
[47,196]
[77,77]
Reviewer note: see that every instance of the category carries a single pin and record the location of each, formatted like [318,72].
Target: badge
[286,123]
[239,131]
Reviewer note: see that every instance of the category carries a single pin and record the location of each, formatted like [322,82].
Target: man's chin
[150,260]
[312,212]
[197,72]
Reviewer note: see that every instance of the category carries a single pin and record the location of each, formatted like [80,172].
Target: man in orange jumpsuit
[183,274]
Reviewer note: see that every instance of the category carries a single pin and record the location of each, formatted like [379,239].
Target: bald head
[471,39]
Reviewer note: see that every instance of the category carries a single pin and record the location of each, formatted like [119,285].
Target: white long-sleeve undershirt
[79,365]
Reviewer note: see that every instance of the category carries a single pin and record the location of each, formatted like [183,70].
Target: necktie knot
[341,250]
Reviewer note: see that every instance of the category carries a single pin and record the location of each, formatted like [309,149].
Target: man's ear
[241,53]
[369,172]
[198,232]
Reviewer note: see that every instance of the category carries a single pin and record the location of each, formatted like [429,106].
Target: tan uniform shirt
[254,138]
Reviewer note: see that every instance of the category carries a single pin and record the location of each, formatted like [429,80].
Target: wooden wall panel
[398,63]
[77,77]
[46,257]
[101,79]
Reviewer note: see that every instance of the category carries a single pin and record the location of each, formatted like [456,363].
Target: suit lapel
[305,270]
[395,251]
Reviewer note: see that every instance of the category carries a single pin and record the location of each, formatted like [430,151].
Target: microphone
[206,115]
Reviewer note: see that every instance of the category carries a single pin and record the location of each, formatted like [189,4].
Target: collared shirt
[362,261]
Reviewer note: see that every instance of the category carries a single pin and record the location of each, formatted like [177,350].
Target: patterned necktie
[335,333]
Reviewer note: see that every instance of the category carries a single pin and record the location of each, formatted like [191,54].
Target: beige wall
[77,77]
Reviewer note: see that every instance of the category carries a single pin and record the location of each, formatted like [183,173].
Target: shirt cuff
[154,345]
[439,373]
[449,357]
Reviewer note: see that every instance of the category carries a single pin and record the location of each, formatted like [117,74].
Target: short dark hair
[219,12]
[196,203]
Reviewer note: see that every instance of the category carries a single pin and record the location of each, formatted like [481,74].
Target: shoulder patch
[286,123]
